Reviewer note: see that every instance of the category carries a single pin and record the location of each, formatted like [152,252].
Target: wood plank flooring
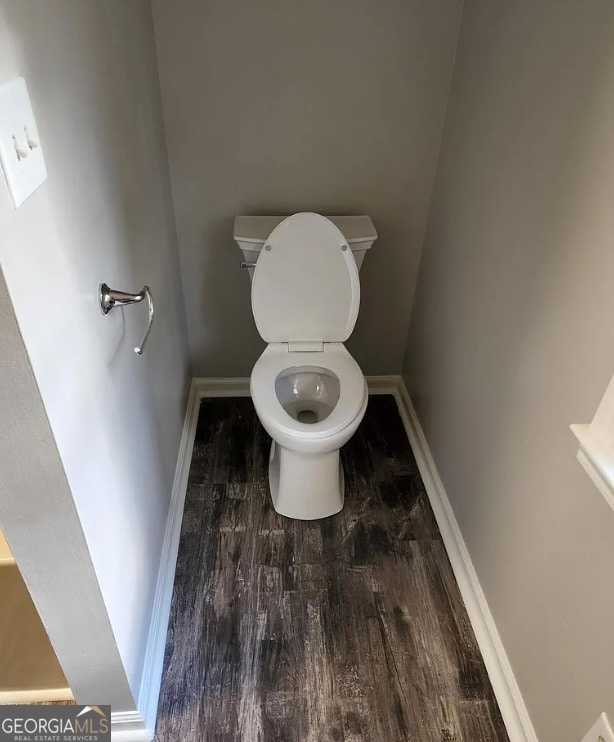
[347,629]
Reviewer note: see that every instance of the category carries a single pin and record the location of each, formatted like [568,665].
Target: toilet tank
[251,232]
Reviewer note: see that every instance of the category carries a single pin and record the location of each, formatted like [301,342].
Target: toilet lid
[305,285]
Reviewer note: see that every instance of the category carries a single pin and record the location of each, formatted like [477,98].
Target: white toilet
[309,393]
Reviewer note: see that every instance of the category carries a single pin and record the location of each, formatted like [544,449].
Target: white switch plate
[20,148]
[601,731]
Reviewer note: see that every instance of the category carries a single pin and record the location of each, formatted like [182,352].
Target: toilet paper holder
[110,298]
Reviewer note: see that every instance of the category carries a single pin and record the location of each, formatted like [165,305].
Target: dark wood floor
[346,629]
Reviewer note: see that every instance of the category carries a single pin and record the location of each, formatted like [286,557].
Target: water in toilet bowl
[307,393]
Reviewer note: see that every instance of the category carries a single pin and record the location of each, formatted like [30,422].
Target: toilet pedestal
[305,487]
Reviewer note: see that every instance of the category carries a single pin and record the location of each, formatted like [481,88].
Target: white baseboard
[130,726]
[505,687]
[139,725]
[43,695]
[382,384]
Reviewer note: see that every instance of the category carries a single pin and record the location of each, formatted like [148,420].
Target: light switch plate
[20,148]
[601,731]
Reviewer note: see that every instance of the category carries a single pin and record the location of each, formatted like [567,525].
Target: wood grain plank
[348,629]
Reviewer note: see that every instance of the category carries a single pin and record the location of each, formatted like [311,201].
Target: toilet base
[305,487]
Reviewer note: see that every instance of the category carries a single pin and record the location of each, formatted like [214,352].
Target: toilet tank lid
[355,229]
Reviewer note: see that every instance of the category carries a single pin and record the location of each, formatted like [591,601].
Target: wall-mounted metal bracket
[110,298]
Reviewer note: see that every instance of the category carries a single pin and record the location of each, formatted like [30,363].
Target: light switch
[601,731]
[21,153]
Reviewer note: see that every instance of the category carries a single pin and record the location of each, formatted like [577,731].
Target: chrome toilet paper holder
[110,298]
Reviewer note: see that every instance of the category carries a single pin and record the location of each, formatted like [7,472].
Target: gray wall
[51,551]
[276,107]
[104,214]
[511,337]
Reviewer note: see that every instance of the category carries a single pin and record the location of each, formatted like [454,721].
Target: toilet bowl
[309,393]
[310,404]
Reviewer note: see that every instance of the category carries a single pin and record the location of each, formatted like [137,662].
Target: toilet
[309,393]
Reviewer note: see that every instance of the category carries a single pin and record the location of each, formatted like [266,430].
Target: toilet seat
[334,358]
